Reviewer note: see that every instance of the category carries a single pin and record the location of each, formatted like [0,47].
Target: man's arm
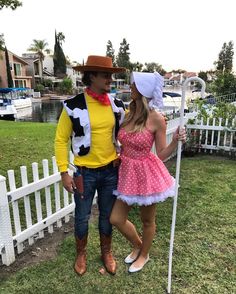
[62,140]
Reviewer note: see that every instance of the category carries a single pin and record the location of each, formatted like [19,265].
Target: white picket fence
[43,201]
[214,134]
[39,215]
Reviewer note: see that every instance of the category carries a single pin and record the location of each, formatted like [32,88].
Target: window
[17,69]
[20,83]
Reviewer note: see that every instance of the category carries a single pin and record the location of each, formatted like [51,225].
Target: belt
[111,164]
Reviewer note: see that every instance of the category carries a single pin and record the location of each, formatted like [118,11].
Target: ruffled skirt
[145,200]
[144,180]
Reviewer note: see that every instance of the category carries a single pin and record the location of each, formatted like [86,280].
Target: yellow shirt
[102,150]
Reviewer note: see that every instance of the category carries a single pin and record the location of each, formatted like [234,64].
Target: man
[91,121]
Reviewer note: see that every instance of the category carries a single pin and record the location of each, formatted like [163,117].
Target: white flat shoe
[133,269]
[130,259]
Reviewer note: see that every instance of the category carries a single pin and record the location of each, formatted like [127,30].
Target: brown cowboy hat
[99,63]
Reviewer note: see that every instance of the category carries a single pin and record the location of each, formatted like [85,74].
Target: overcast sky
[175,33]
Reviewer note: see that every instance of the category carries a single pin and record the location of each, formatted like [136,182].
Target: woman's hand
[165,117]
[180,135]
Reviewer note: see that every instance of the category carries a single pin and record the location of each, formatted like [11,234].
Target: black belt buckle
[109,165]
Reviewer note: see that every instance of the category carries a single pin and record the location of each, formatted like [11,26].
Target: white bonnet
[150,85]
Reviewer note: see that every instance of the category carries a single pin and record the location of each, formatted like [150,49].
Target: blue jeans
[104,181]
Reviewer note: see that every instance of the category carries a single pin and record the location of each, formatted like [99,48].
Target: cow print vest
[77,111]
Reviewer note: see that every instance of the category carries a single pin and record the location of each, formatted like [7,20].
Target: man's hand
[68,182]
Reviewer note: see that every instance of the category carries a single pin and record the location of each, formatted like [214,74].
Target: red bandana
[103,98]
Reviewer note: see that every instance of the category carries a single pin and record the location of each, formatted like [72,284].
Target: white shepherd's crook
[178,171]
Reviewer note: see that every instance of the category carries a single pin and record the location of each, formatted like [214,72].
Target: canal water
[50,110]
[43,111]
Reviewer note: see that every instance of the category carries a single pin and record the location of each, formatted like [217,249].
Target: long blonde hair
[140,122]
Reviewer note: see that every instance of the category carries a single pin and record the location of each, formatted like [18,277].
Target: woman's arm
[163,150]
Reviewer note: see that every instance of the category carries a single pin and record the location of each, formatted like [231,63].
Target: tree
[123,60]
[153,66]
[13,4]
[68,62]
[60,38]
[9,76]
[203,75]
[2,42]
[225,82]
[111,52]
[59,58]
[178,71]
[39,47]
[66,86]
[225,59]
[136,66]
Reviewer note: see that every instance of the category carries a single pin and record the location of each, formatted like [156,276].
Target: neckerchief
[103,98]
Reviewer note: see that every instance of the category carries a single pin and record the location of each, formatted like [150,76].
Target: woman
[143,178]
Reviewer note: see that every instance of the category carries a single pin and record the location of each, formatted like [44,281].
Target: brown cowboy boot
[80,263]
[107,258]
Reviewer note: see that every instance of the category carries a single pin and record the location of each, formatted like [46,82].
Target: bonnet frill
[150,85]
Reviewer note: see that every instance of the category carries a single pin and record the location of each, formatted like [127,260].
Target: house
[187,75]
[48,65]
[175,78]
[18,71]
[34,69]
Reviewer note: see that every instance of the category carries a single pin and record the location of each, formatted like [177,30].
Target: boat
[13,99]
[7,110]
[172,102]
[19,97]
[124,95]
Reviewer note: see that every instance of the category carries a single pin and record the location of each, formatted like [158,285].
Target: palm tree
[60,38]
[39,47]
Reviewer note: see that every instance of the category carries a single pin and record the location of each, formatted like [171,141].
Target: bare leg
[148,214]
[119,218]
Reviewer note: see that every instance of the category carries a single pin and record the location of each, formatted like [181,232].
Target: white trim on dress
[148,199]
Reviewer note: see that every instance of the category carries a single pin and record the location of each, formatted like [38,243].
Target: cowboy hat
[99,63]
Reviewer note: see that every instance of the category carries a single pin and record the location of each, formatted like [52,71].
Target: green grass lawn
[204,251]
[22,143]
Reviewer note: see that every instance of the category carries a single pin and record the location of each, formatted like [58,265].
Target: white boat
[13,99]
[22,103]
[123,95]
[172,101]
[7,110]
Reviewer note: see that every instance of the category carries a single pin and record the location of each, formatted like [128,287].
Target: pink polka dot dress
[143,177]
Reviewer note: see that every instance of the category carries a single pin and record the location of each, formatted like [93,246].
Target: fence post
[6,239]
